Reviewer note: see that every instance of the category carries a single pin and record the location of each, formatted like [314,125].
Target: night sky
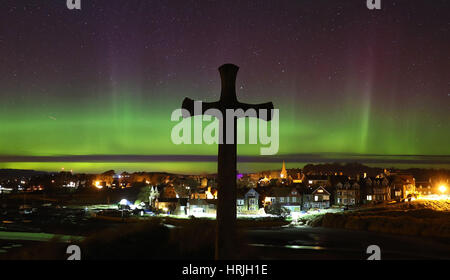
[104,80]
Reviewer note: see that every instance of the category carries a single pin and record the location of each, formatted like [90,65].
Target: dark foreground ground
[300,243]
[325,243]
[46,233]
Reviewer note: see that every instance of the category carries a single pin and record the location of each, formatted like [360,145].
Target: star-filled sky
[94,89]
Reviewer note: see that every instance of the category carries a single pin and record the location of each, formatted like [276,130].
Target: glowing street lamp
[97,185]
[443,188]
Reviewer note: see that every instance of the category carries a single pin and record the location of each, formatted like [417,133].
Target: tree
[144,193]
[182,191]
[277,209]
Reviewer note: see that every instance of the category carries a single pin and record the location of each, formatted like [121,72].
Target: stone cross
[226,165]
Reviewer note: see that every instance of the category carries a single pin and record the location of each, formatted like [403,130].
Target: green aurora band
[141,126]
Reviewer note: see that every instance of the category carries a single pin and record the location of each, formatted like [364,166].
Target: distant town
[285,192]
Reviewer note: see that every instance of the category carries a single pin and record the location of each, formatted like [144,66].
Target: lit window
[316,198]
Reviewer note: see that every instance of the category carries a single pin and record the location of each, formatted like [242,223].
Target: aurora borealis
[105,80]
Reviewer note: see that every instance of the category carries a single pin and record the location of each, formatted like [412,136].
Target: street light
[98,185]
[443,188]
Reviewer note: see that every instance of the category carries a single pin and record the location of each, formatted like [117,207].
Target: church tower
[283,174]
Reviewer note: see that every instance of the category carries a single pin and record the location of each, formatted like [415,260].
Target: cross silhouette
[226,162]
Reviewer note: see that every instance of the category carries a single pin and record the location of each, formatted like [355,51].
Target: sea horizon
[207,164]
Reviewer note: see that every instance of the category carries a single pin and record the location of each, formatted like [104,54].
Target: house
[430,186]
[286,197]
[173,206]
[425,188]
[203,200]
[204,193]
[376,190]
[317,180]
[403,186]
[202,207]
[317,198]
[247,202]
[348,193]
[439,185]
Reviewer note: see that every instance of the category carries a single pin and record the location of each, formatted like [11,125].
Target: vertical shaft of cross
[226,247]
[226,204]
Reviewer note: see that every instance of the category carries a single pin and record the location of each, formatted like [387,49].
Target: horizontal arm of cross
[259,109]
[189,105]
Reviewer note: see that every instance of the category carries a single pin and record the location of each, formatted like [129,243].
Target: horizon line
[299,157]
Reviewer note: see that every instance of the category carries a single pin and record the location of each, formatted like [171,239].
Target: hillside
[418,218]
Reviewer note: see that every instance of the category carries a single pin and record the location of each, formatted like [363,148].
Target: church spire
[283,173]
